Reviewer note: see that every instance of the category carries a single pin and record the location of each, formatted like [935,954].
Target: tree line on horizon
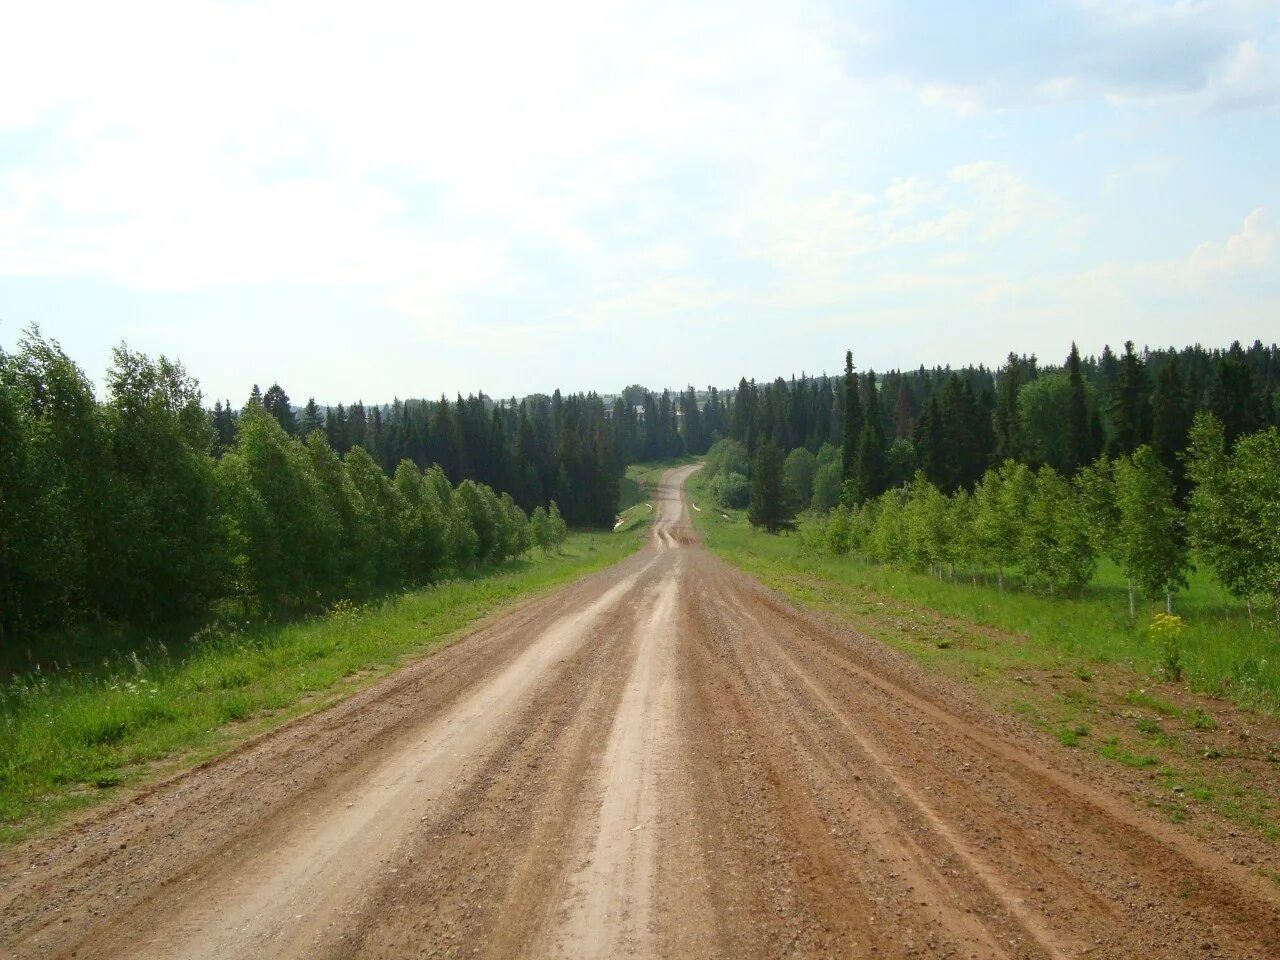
[145,505]
[1142,460]
[134,510]
[954,423]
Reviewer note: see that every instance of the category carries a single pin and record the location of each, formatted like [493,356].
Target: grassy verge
[1075,669]
[70,737]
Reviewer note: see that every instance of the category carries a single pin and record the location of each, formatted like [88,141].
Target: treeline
[537,450]
[120,510]
[955,423]
[1050,529]
[571,449]
[1141,457]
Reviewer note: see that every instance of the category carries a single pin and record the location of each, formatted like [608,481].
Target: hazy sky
[380,199]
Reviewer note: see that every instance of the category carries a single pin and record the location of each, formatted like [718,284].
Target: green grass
[68,736]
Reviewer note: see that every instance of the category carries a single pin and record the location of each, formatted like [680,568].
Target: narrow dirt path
[664,759]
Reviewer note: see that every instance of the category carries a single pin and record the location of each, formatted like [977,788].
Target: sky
[383,200]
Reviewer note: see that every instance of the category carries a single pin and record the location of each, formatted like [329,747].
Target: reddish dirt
[664,759]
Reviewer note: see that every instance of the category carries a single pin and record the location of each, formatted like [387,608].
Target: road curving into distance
[664,759]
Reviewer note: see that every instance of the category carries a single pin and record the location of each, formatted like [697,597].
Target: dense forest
[954,423]
[1145,458]
[145,505]
[142,507]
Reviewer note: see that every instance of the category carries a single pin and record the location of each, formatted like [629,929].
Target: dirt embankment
[661,760]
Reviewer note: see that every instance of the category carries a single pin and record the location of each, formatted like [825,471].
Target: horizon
[299,400]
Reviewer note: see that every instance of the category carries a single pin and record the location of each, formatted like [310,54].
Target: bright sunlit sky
[382,199]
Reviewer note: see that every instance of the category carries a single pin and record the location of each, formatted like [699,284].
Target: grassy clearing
[1221,655]
[70,736]
[1076,669]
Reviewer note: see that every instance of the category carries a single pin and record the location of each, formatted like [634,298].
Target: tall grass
[68,734]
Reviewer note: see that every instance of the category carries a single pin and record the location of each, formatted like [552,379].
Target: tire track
[665,759]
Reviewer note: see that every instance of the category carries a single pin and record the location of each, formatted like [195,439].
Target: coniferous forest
[1153,459]
[139,504]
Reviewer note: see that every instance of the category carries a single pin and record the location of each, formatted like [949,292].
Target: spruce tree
[930,442]
[853,421]
[276,402]
[1079,441]
[652,428]
[1234,400]
[903,411]
[694,436]
[310,419]
[768,506]
[446,444]
[1107,377]
[1008,426]
[224,427]
[1171,415]
[1130,406]
[870,470]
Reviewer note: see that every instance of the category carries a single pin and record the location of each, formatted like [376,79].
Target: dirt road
[664,759]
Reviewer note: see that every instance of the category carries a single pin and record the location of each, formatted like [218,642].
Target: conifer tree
[768,506]
[1171,416]
[652,428]
[1007,422]
[224,426]
[870,470]
[904,410]
[446,444]
[1234,400]
[963,437]
[1130,406]
[255,398]
[310,419]
[853,420]
[276,402]
[694,436]
[1108,376]
[1078,451]
[930,442]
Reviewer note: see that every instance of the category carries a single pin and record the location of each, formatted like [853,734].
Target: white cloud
[1249,77]
[1254,249]
[533,174]
[968,58]
[831,238]
[411,147]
